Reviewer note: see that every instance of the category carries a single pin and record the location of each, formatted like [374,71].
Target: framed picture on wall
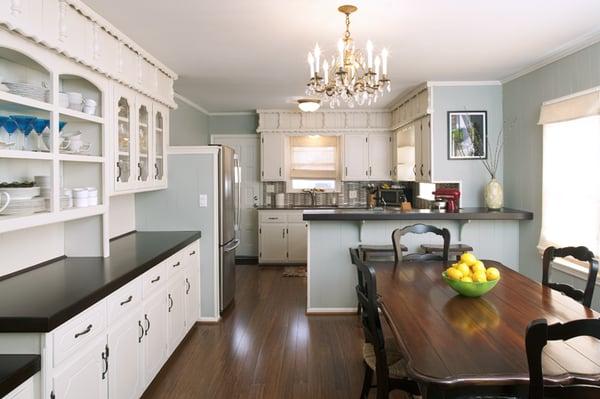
[467,134]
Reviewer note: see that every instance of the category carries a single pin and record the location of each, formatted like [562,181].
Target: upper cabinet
[380,156]
[160,128]
[272,157]
[367,157]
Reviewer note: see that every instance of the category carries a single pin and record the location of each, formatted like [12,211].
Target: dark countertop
[41,299]
[417,214]
[306,208]
[15,370]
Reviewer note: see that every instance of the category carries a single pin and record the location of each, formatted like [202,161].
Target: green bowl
[472,290]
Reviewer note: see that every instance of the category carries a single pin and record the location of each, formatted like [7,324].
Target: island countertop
[415,214]
[43,298]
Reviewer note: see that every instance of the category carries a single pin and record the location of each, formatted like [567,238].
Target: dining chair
[420,229]
[381,356]
[580,253]
[537,336]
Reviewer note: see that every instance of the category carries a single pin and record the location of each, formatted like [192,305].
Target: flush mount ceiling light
[350,77]
[309,104]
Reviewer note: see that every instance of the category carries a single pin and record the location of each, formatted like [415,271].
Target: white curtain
[571,183]
[314,157]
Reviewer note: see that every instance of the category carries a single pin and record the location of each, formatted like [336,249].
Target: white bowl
[80,193]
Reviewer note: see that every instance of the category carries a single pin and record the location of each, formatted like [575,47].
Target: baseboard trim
[330,311]
[209,320]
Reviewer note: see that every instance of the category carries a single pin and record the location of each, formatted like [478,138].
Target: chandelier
[349,77]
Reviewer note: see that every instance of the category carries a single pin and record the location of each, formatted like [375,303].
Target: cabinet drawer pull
[119,169]
[283,235]
[421,169]
[157,173]
[87,330]
[141,331]
[127,300]
[105,358]
[147,324]
[273,218]
[155,280]
[346,171]
[187,291]
[279,172]
[177,264]
[170,303]
[139,171]
[192,253]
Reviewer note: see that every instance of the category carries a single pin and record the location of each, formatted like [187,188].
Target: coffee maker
[448,195]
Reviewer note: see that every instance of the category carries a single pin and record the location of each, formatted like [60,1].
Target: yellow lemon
[454,274]
[479,277]
[468,258]
[466,279]
[464,269]
[478,266]
[492,273]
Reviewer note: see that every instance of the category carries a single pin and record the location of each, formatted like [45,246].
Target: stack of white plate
[23,201]
[29,90]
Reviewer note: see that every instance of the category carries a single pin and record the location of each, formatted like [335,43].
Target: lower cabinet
[119,359]
[175,311]
[85,376]
[126,362]
[282,237]
[155,334]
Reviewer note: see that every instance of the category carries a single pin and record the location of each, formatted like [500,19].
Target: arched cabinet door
[143,167]
[125,169]
[160,140]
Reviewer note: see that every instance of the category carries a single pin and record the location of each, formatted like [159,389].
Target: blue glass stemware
[25,125]
[43,139]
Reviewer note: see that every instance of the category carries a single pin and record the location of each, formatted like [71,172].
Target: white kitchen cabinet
[26,16]
[155,334]
[355,157]
[423,154]
[297,242]
[380,156]
[124,142]
[143,142]
[159,144]
[272,157]
[403,145]
[85,376]
[175,312]
[282,237]
[126,368]
[192,298]
[272,243]
[24,391]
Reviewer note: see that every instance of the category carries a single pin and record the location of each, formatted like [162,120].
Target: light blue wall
[233,124]
[523,98]
[188,126]
[177,209]
[471,173]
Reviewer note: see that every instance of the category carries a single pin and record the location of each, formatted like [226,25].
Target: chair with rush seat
[378,253]
[537,336]
[380,356]
[420,229]
[580,253]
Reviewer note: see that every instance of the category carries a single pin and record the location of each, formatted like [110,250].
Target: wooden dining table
[456,346]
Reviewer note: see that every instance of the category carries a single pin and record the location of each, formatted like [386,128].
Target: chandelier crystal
[349,77]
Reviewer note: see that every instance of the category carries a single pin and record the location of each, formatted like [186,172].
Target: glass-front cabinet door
[124,177]
[144,143]
[160,141]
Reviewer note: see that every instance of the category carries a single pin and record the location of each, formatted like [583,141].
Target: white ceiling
[239,55]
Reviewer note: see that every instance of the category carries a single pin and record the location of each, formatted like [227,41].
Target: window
[571,175]
[313,162]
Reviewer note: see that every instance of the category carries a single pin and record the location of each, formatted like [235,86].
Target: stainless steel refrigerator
[229,215]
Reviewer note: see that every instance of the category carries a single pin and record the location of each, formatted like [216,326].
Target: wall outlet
[203,200]
[270,188]
[352,194]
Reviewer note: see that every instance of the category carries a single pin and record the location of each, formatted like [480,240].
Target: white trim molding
[189,102]
[464,83]
[563,51]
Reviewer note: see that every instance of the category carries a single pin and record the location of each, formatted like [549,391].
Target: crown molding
[190,103]
[450,83]
[232,113]
[563,51]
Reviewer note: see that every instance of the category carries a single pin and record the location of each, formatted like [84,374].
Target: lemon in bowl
[470,277]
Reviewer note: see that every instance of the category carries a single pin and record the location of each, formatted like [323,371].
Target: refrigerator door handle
[238,185]
[233,244]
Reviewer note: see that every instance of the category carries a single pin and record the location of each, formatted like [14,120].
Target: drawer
[124,299]
[272,217]
[175,263]
[295,217]
[191,255]
[77,332]
[154,279]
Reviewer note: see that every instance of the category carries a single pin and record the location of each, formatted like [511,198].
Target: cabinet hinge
[260,254]
[366,139]
[287,254]
[259,231]
[262,173]
[429,123]
[262,140]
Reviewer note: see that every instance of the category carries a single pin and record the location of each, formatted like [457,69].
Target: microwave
[394,196]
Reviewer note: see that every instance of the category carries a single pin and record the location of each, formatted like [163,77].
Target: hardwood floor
[266,347]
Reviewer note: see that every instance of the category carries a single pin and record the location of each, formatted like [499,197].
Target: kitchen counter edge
[416,214]
[15,370]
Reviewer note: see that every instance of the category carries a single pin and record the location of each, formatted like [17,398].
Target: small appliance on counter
[446,198]
[394,195]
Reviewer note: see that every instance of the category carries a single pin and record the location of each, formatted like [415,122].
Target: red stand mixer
[450,196]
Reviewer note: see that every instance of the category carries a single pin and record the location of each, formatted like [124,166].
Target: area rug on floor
[294,271]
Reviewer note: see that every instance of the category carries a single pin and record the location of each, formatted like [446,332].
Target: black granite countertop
[43,298]
[306,208]
[416,214]
[15,370]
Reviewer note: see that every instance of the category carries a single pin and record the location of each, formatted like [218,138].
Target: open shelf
[16,154]
[16,222]
[70,115]
[80,158]
[14,103]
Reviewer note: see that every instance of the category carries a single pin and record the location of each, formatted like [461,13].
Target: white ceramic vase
[494,196]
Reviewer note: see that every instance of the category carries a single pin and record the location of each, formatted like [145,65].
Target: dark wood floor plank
[267,347]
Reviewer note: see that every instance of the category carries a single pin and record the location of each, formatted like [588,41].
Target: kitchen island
[331,275]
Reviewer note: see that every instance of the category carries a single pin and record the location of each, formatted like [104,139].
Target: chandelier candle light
[349,77]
